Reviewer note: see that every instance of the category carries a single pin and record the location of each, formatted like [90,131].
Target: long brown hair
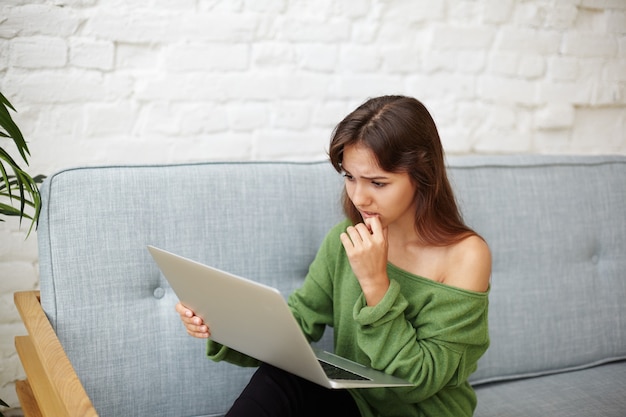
[402,135]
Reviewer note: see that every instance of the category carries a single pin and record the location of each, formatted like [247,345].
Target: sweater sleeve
[433,334]
[218,352]
[312,304]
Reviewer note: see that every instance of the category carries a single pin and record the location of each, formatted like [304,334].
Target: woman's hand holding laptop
[194,324]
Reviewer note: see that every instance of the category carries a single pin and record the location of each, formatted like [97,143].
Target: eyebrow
[369,178]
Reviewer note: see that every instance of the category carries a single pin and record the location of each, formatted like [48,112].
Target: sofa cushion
[597,392]
[557,229]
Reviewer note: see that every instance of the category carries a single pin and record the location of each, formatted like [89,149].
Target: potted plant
[19,194]
[18,190]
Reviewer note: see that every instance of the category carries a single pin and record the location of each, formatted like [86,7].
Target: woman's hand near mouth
[367,247]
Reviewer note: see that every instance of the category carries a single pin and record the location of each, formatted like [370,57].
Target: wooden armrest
[30,408]
[52,378]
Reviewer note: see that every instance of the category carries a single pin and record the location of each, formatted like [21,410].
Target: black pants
[272,392]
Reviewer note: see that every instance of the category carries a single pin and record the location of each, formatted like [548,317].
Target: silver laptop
[254,319]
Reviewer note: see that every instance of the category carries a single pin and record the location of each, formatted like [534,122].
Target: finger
[200,335]
[354,234]
[198,331]
[377,228]
[346,241]
[374,225]
[198,328]
[192,321]
[183,311]
[363,230]
[204,331]
[360,233]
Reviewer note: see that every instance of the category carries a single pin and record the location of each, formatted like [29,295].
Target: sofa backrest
[556,227]
[107,300]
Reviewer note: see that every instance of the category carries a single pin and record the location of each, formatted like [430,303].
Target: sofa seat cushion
[598,391]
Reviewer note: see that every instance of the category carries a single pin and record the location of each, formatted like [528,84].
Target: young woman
[403,281]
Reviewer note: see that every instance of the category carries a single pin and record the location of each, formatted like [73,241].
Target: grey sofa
[108,340]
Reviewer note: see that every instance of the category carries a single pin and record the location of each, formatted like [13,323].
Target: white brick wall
[119,81]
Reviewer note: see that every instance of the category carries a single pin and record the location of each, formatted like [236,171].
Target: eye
[348,176]
[378,184]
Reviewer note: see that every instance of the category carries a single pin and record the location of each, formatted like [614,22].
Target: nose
[358,195]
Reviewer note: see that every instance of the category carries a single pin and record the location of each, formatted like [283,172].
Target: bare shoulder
[469,264]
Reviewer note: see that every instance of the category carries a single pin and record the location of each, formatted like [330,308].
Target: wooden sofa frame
[51,387]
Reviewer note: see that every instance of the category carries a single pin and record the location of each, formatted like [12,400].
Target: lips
[366,214]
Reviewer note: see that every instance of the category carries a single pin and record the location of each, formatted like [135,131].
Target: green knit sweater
[426,332]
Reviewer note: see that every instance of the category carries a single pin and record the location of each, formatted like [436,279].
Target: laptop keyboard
[334,372]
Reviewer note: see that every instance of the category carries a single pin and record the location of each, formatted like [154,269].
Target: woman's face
[375,192]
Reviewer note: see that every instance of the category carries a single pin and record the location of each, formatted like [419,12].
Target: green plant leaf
[11,211]
[7,123]
[2,403]
[4,156]
[16,184]
[4,101]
